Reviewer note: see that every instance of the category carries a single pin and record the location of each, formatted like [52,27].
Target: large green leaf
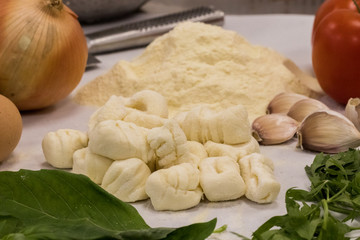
[54,204]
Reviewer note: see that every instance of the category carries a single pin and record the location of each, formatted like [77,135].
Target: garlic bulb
[305,107]
[274,128]
[282,102]
[327,131]
[43,52]
[352,111]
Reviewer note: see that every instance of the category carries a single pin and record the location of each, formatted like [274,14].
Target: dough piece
[114,109]
[59,146]
[175,188]
[169,144]
[143,119]
[89,164]
[236,152]
[150,102]
[257,172]
[197,149]
[229,126]
[220,179]
[197,152]
[126,179]
[119,140]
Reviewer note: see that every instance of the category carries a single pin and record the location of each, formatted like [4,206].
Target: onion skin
[43,52]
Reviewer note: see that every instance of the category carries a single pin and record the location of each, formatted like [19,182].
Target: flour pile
[197,63]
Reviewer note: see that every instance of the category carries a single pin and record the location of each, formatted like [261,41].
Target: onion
[43,52]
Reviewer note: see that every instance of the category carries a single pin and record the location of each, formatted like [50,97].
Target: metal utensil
[92,61]
[90,11]
[141,33]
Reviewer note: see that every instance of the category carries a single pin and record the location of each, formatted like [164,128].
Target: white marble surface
[289,35]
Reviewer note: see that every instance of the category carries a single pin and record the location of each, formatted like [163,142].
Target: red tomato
[329,6]
[336,53]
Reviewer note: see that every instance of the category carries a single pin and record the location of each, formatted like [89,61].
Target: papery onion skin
[43,52]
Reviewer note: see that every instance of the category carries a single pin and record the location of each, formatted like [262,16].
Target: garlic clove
[282,102]
[327,131]
[305,107]
[274,128]
[352,111]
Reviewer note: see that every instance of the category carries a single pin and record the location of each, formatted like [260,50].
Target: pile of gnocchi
[134,151]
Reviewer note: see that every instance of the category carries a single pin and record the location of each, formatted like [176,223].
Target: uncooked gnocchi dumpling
[198,149]
[236,152]
[89,164]
[114,109]
[59,146]
[143,119]
[197,152]
[257,172]
[119,140]
[202,124]
[126,179]
[174,188]
[150,102]
[169,144]
[220,179]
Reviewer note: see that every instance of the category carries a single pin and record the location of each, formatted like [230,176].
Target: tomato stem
[357,5]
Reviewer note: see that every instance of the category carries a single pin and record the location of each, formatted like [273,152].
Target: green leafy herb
[323,212]
[53,204]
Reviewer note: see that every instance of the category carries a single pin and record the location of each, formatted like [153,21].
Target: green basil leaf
[197,231]
[8,225]
[53,195]
[55,204]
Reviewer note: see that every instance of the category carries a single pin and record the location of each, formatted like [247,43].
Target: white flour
[196,64]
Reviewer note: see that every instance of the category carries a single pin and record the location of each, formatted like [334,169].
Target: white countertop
[289,35]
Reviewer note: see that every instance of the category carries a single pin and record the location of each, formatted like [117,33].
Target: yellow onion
[43,52]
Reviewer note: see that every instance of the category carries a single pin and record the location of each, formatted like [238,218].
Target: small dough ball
[126,179]
[10,127]
[90,164]
[258,174]
[59,146]
[220,179]
[174,188]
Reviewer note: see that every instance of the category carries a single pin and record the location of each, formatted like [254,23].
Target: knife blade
[141,33]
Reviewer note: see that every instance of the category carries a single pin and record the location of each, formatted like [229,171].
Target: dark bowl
[90,11]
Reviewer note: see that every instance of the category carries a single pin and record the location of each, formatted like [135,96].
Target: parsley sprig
[328,209]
